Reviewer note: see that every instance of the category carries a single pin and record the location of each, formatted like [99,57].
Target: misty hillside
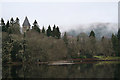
[100,29]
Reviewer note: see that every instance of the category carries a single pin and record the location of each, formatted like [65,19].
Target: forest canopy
[40,44]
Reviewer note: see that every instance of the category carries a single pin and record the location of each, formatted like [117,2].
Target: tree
[54,31]
[106,46]
[12,20]
[17,20]
[35,26]
[58,34]
[2,24]
[118,35]
[115,44]
[14,26]
[49,32]
[92,43]
[92,34]
[65,39]
[43,30]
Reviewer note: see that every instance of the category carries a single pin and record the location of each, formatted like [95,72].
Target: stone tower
[26,25]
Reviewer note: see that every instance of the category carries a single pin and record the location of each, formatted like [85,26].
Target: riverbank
[95,59]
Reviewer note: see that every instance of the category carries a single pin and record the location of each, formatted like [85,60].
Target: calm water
[92,70]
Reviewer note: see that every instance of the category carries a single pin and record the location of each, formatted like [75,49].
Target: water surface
[92,70]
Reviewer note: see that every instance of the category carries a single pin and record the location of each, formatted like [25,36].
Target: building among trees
[26,25]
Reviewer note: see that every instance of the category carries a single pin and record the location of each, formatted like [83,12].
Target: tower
[26,25]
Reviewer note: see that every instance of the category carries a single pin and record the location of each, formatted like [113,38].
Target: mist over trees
[40,44]
[100,29]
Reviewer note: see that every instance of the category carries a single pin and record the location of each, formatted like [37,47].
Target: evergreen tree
[49,32]
[92,43]
[115,44]
[2,24]
[2,21]
[54,31]
[65,38]
[17,20]
[8,27]
[92,34]
[58,33]
[43,30]
[102,38]
[13,26]
[118,36]
[78,39]
[12,20]
[35,26]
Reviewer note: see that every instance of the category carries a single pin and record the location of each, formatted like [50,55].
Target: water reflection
[66,71]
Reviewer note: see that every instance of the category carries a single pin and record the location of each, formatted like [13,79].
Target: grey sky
[64,14]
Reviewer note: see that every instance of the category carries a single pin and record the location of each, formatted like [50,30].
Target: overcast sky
[64,14]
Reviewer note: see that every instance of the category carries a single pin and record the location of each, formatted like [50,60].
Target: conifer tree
[118,36]
[54,31]
[35,26]
[2,24]
[92,34]
[115,44]
[102,38]
[65,38]
[49,32]
[12,20]
[58,33]
[17,20]
[43,30]
[8,27]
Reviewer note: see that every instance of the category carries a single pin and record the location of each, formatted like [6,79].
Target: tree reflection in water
[63,71]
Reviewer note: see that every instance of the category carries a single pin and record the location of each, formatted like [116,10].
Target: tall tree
[12,20]
[92,43]
[115,44]
[43,30]
[92,34]
[118,35]
[58,34]
[8,27]
[49,32]
[2,24]
[54,32]
[17,20]
[65,38]
[35,26]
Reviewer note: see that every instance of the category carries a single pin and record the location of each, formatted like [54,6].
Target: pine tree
[17,20]
[2,24]
[114,40]
[54,32]
[92,34]
[118,36]
[65,38]
[102,38]
[8,27]
[43,30]
[58,33]
[12,20]
[49,32]
[2,21]
[35,26]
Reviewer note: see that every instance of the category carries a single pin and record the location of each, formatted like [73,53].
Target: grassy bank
[107,58]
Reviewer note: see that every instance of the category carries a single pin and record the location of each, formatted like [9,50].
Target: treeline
[43,45]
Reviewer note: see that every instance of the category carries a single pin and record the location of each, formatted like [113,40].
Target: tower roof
[26,22]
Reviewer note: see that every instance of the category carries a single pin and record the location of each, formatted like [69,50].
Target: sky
[66,15]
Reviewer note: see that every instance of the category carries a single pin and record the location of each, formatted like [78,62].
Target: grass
[107,58]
